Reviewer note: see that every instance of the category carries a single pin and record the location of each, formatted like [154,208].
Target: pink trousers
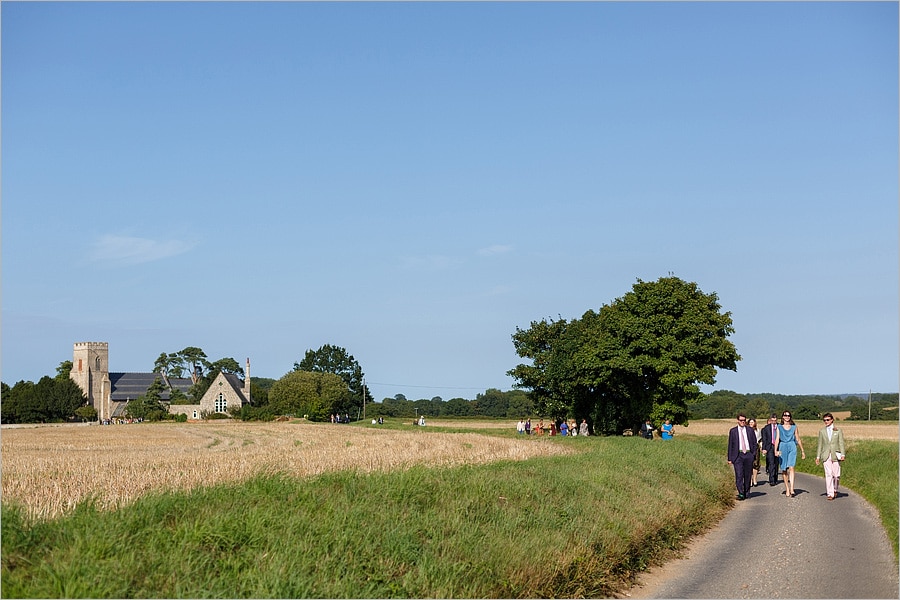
[832,476]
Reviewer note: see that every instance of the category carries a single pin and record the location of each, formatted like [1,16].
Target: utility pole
[364,398]
[870,404]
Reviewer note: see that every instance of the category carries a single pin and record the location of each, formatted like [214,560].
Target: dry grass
[50,469]
[853,430]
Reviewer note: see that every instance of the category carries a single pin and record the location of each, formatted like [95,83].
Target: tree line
[723,404]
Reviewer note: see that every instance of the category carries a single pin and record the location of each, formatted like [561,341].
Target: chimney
[247,380]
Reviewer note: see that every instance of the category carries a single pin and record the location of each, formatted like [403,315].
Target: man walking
[741,452]
[831,453]
[768,449]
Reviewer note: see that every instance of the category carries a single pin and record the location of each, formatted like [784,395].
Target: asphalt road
[771,546]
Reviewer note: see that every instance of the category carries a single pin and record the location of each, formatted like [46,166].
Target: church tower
[90,370]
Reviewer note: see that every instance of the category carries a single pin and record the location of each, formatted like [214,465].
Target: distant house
[109,393]
[225,393]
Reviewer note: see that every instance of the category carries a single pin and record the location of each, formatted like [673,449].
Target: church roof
[128,386]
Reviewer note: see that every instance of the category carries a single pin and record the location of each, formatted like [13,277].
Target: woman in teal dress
[787,440]
[667,430]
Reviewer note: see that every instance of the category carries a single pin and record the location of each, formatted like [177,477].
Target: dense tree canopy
[314,395]
[642,356]
[334,359]
[52,399]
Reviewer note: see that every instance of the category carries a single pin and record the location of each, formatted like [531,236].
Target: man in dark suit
[741,452]
[768,449]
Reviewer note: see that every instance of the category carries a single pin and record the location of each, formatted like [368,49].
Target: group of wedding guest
[562,427]
[779,443]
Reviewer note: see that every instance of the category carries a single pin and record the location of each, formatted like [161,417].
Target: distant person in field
[768,435]
[751,423]
[647,430]
[787,440]
[741,450]
[563,429]
[520,427]
[583,428]
[528,427]
[667,430]
[830,452]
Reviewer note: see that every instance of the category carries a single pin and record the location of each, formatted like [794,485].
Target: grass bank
[577,525]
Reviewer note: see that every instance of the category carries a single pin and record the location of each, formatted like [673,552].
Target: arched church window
[221,403]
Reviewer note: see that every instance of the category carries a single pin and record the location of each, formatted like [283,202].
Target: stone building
[225,393]
[109,392]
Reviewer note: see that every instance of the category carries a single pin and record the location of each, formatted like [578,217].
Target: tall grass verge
[576,525]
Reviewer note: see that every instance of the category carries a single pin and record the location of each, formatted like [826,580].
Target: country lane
[771,546]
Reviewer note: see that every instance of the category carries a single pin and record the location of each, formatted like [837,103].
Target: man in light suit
[831,453]
[768,449]
[742,449]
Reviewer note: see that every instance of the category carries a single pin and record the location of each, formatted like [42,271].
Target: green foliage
[883,407]
[225,365]
[314,395]
[251,412]
[492,403]
[49,400]
[334,359]
[724,404]
[63,370]
[176,396]
[86,413]
[149,407]
[641,356]
[259,390]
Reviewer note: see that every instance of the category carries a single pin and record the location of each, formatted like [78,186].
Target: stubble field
[50,469]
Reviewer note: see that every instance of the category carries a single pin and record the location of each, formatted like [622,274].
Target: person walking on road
[787,440]
[751,423]
[768,449]
[742,448]
[831,452]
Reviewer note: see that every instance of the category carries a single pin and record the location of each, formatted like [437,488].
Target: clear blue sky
[413,181]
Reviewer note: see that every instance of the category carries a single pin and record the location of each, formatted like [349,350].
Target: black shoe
[741,496]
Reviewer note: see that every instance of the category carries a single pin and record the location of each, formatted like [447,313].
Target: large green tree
[641,356]
[315,395]
[334,359]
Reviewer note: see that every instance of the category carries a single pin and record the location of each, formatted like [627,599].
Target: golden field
[49,469]
[853,430]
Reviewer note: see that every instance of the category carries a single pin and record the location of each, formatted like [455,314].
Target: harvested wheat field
[853,430]
[51,469]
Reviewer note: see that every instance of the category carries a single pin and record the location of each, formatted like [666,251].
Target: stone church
[110,392]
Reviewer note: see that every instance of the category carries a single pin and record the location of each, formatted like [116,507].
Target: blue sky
[413,181]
